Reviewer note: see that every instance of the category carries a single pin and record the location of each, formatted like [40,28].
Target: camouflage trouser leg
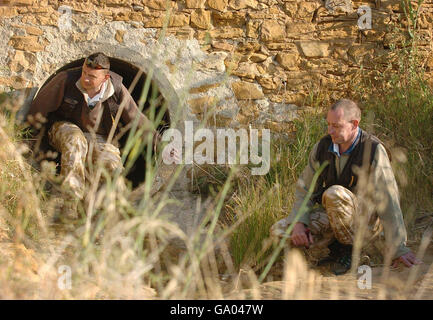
[334,220]
[73,144]
[322,233]
[105,153]
[339,219]
[69,140]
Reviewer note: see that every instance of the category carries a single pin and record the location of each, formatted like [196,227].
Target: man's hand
[171,155]
[407,259]
[301,236]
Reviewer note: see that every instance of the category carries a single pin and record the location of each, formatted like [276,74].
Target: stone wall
[255,61]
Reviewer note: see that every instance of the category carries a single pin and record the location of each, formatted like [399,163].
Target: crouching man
[78,107]
[356,192]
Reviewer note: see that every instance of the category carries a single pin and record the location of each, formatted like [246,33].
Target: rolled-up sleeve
[387,202]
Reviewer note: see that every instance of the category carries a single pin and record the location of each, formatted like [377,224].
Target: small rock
[137,7]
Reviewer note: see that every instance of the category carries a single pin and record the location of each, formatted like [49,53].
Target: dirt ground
[301,282]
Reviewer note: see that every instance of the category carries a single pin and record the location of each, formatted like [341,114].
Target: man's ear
[355,123]
[107,76]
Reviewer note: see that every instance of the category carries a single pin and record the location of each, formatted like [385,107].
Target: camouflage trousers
[77,147]
[338,218]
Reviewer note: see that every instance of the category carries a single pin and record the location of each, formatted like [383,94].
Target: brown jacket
[63,99]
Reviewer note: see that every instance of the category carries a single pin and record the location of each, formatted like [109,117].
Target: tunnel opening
[128,71]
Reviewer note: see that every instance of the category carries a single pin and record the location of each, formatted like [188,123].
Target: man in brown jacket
[78,107]
[356,193]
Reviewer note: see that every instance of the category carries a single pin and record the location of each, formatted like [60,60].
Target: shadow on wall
[128,72]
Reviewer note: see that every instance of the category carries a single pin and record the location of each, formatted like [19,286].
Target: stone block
[246,70]
[201,19]
[8,12]
[26,43]
[220,5]
[245,90]
[227,33]
[314,49]
[202,104]
[288,61]
[232,18]
[195,4]
[243,4]
[272,31]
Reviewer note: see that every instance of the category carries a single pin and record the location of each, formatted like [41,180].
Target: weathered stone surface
[22,2]
[34,31]
[391,5]
[246,70]
[288,61]
[232,62]
[28,43]
[258,57]
[297,98]
[273,31]
[200,19]
[281,46]
[215,61]
[282,112]
[242,4]
[306,9]
[195,4]
[339,31]
[314,49]
[153,22]
[21,61]
[234,19]
[114,3]
[158,4]
[303,30]
[185,33]
[8,12]
[200,105]
[179,20]
[291,8]
[122,16]
[360,50]
[253,28]
[339,6]
[226,33]
[249,109]
[204,88]
[248,47]
[267,82]
[220,5]
[119,35]
[222,46]
[246,90]
[15,82]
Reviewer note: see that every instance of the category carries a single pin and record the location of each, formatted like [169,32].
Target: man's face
[340,129]
[92,78]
